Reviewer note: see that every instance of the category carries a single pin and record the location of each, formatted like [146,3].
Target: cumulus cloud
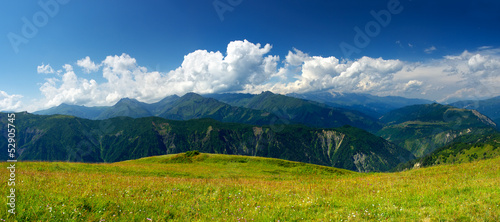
[9,102]
[244,64]
[412,85]
[321,73]
[250,67]
[46,69]
[87,65]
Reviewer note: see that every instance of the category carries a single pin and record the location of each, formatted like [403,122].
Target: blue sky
[439,50]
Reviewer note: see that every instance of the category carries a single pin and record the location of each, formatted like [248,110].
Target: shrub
[192,153]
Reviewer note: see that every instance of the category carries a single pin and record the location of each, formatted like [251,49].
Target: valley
[264,157]
[265,125]
[231,110]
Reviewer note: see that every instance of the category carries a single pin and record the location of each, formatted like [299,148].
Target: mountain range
[372,105]
[422,129]
[489,107]
[263,109]
[464,149]
[69,138]
[334,130]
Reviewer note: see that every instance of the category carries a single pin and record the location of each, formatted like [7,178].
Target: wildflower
[149,219]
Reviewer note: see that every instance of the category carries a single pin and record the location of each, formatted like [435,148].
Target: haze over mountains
[372,105]
[489,107]
[334,130]
[263,109]
[423,128]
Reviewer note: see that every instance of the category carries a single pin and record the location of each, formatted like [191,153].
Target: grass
[210,187]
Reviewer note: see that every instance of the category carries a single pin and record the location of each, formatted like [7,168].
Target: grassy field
[209,187]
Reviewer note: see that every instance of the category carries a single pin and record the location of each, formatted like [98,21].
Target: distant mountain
[374,106]
[466,148]
[301,111]
[423,128]
[68,138]
[488,107]
[74,110]
[234,99]
[194,106]
[189,106]
[263,109]
[126,107]
[162,105]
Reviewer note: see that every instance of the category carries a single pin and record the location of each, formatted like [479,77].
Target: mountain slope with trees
[301,111]
[68,138]
[489,107]
[263,109]
[423,128]
[464,149]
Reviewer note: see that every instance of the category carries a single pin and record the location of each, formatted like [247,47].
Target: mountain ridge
[489,107]
[423,128]
[68,138]
[302,111]
[262,109]
[372,105]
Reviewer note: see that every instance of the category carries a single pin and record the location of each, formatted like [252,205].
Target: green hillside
[264,109]
[423,128]
[303,111]
[489,107]
[194,106]
[189,106]
[67,138]
[211,187]
[126,107]
[464,149]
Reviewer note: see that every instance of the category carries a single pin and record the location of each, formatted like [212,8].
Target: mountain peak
[126,100]
[64,105]
[191,95]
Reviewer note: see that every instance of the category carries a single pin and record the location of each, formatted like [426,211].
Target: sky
[94,52]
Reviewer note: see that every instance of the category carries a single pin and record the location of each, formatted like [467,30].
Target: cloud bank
[251,68]
[9,102]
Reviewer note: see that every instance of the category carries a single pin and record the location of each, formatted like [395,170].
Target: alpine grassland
[210,187]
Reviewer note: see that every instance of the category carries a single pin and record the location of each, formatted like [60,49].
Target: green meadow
[210,187]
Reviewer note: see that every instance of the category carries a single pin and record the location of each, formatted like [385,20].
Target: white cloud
[430,49]
[249,67]
[485,47]
[9,102]
[412,85]
[68,67]
[46,69]
[321,73]
[88,65]
[201,71]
